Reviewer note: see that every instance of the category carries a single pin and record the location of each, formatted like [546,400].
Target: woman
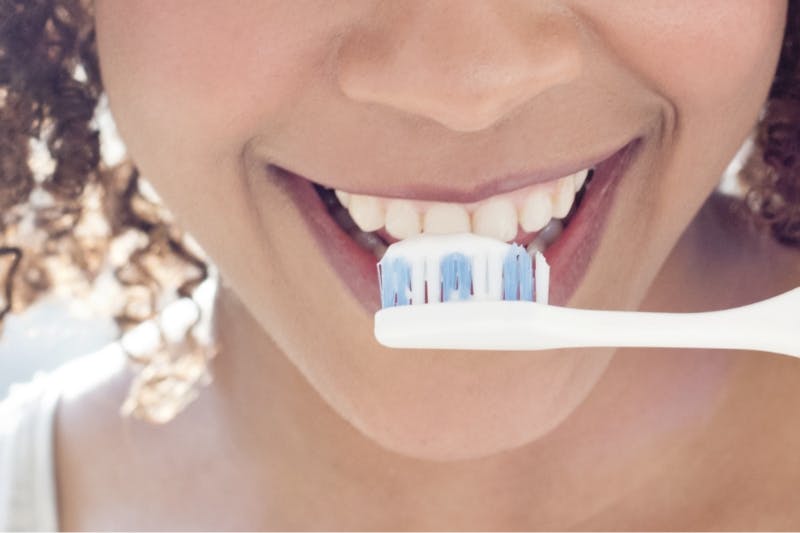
[244,116]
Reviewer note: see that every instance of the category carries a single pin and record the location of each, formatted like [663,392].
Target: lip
[474,193]
[569,256]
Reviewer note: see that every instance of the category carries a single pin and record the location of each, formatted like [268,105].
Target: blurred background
[46,335]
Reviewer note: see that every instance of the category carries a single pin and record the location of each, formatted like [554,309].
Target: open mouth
[533,217]
[563,218]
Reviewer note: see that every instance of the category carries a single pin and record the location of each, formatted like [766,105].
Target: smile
[562,217]
[514,216]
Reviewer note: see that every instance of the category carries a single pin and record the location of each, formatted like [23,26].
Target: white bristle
[480,280]
[495,274]
[541,278]
[432,278]
[417,280]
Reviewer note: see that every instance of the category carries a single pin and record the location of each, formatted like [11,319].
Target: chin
[455,406]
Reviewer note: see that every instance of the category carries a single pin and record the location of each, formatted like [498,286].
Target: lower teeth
[546,236]
[372,242]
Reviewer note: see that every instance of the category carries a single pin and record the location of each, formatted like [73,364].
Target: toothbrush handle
[772,325]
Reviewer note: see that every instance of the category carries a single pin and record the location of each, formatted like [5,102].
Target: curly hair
[770,175]
[50,93]
[69,218]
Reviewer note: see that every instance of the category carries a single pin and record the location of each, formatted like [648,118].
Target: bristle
[510,276]
[480,281]
[395,282]
[517,274]
[459,267]
[433,279]
[542,278]
[456,277]
[418,281]
[525,275]
[495,274]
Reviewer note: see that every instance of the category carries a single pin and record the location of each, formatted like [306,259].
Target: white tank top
[28,499]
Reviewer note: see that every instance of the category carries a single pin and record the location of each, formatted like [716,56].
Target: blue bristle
[456,273]
[510,275]
[395,281]
[387,283]
[464,268]
[403,281]
[517,274]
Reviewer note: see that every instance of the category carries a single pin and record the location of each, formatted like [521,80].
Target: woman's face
[445,101]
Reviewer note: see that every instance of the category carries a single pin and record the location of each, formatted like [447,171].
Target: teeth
[366,211]
[497,219]
[551,231]
[402,219]
[500,217]
[446,218]
[344,197]
[562,197]
[580,178]
[371,241]
[537,211]
[546,237]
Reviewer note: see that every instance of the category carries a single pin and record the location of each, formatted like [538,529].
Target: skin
[318,426]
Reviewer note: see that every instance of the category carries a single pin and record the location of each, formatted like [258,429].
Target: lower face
[246,119]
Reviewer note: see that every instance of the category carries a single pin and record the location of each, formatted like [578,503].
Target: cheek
[189,84]
[722,63]
[203,72]
[699,55]
[709,65]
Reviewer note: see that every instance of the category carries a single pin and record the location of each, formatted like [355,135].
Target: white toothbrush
[480,296]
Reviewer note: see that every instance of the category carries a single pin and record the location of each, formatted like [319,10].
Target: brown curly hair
[50,92]
[770,175]
[68,218]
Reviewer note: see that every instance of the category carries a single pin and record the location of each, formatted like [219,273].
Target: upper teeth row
[499,216]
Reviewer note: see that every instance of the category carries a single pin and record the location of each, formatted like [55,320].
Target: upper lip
[482,189]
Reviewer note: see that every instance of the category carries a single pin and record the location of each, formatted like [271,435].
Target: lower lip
[569,256]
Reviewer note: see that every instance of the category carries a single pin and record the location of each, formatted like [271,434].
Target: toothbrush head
[444,268]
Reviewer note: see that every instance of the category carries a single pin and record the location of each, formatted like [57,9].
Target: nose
[464,64]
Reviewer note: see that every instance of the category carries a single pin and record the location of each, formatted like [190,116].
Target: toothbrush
[470,292]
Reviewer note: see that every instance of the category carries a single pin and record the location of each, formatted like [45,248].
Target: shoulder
[27,414]
[93,389]
[26,488]
[28,496]
[109,465]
